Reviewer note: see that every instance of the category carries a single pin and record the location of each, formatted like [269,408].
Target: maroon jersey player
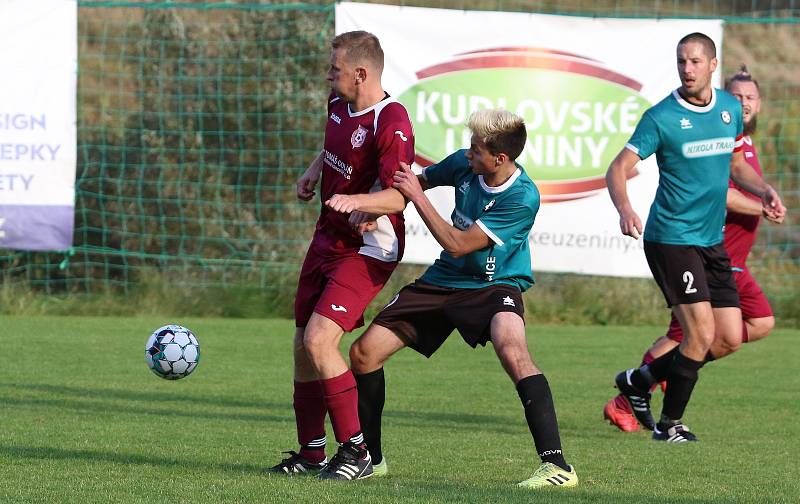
[741,225]
[367,135]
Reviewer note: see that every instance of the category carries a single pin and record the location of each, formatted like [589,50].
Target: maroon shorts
[752,300]
[339,287]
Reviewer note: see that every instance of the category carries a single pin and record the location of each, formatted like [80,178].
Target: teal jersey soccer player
[475,286]
[693,147]
[504,213]
[696,135]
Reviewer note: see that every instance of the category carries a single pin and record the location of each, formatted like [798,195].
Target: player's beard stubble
[750,126]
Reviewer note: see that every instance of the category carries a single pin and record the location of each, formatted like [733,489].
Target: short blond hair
[501,131]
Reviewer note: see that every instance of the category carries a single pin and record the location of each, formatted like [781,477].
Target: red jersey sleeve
[739,145]
[394,140]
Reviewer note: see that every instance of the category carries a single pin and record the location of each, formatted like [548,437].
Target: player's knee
[759,328]
[315,344]
[359,359]
[733,345]
[705,335]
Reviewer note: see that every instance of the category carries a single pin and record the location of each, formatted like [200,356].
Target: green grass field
[82,420]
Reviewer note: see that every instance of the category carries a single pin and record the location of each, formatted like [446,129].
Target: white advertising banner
[581,84]
[38,140]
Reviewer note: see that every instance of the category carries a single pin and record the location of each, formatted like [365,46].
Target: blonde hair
[501,131]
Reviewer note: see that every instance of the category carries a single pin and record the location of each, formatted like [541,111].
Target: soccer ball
[172,352]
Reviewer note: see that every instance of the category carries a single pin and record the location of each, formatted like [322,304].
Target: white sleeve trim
[633,148]
[424,174]
[489,233]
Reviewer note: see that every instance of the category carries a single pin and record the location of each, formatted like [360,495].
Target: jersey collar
[695,108]
[385,101]
[502,187]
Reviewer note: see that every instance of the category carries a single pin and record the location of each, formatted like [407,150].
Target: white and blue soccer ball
[172,352]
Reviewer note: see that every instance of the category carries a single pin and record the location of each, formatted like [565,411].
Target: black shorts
[690,274]
[424,315]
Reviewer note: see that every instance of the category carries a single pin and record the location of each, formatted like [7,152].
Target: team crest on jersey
[358,137]
[726,116]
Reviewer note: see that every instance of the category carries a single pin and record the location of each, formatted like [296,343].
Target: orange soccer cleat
[618,412]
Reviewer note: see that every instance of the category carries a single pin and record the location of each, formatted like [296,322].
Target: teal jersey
[505,213]
[693,147]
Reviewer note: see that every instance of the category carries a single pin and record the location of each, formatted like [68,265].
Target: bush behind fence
[194,120]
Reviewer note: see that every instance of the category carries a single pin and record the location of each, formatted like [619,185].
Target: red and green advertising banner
[581,84]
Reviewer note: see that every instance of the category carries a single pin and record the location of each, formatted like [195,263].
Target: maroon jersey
[740,230]
[362,152]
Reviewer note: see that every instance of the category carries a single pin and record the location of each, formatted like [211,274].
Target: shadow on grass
[50,453]
[102,401]
[150,397]
[94,400]
[458,420]
[97,408]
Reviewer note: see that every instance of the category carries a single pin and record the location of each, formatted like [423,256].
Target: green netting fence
[194,120]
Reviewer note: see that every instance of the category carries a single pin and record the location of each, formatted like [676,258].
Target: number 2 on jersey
[689,279]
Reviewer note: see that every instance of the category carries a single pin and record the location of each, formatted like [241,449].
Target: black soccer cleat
[296,464]
[639,401]
[677,433]
[351,462]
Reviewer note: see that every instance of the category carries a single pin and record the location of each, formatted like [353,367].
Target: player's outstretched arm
[457,243]
[745,176]
[387,201]
[616,179]
[308,180]
[741,204]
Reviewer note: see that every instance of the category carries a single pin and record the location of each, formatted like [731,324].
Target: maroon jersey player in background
[741,226]
[367,135]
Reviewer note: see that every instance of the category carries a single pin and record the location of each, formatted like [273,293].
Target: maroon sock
[647,358]
[309,413]
[341,396]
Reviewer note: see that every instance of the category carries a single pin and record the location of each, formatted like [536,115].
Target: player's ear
[361,75]
[713,64]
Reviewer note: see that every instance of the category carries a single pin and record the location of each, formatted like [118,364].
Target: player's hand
[774,220]
[630,224]
[773,206]
[363,222]
[343,203]
[406,182]
[307,182]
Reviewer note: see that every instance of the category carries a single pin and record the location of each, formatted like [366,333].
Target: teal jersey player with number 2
[696,135]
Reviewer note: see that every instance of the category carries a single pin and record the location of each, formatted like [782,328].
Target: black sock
[659,368]
[681,379]
[534,392]
[371,397]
